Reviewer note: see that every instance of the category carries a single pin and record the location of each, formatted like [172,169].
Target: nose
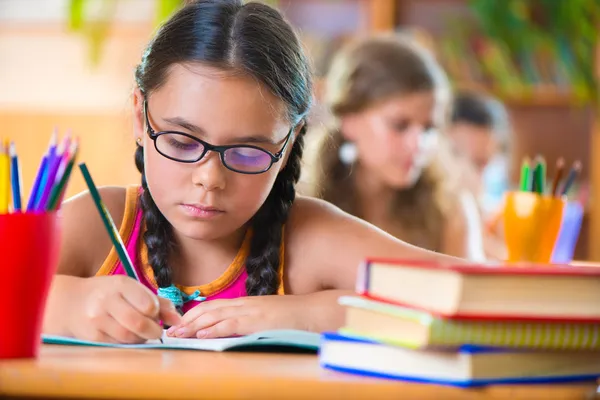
[209,172]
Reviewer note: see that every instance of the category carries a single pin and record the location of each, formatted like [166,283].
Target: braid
[263,261]
[158,235]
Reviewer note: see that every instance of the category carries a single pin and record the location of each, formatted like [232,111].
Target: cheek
[374,144]
[163,175]
[246,193]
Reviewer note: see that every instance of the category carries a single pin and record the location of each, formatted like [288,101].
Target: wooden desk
[99,373]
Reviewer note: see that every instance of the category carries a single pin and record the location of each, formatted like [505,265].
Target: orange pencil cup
[29,246]
[531,226]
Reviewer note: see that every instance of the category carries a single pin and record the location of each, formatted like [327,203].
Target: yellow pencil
[4,178]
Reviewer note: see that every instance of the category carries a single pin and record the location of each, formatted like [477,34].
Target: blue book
[468,366]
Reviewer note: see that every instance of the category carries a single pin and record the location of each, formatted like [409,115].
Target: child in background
[480,133]
[215,228]
[382,157]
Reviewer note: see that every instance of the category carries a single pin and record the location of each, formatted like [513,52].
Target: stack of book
[469,325]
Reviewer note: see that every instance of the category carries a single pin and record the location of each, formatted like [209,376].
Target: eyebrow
[260,139]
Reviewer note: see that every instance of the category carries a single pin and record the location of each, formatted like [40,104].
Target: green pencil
[109,224]
[540,175]
[525,184]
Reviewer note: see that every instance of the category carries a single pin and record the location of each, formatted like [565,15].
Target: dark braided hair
[255,39]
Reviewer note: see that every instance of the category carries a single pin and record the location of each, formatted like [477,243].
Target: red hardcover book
[485,291]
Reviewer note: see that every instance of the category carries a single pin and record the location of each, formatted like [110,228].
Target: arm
[106,308]
[84,244]
[324,248]
[463,234]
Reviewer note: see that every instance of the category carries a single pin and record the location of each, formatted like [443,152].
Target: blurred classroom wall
[47,80]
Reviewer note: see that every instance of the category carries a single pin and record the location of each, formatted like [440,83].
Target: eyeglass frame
[152,134]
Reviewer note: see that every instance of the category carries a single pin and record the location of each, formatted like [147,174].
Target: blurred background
[69,64]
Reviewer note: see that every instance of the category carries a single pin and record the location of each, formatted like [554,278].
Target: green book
[271,340]
[410,328]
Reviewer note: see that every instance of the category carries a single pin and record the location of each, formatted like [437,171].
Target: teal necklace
[177,297]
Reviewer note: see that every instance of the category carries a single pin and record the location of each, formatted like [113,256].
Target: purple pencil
[36,194]
[53,165]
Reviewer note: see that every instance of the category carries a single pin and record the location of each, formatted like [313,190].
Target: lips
[204,208]
[201,211]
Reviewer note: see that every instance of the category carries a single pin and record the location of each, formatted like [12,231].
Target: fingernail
[171,330]
[180,332]
[201,334]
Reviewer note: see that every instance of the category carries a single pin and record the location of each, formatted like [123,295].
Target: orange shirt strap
[131,207]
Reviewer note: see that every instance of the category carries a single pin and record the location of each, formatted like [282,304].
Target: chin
[202,230]
[403,180]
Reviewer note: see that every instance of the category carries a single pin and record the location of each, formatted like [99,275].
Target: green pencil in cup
[525,184]
[540,175]
[109,224]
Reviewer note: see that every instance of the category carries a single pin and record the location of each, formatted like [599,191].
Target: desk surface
[84,372]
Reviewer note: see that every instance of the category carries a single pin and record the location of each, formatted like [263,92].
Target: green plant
[95,26]
[567,29]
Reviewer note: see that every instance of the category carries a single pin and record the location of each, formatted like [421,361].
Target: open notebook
[284,339]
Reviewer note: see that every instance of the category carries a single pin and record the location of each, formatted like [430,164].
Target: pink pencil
[73,153]
[64,160]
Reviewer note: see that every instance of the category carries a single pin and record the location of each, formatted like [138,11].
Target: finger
[227,328]
[206,306]
[168,314]
[101,337]
[116,332]
[140,297]
[131,319]
[208,318]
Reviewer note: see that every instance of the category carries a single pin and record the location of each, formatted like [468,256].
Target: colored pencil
[51,179]
[575,170]
[109,223]
[540,175]
[560,168]
[15,176]
[59,189]
[4,179]
[66,156]
[37,183]
[525,184]
[51,154]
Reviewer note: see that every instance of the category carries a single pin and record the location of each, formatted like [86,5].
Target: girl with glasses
[215,230]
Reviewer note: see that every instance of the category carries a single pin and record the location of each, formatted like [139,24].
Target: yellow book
[406,327]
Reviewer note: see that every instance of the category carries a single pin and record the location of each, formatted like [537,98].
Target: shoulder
[315,214]
[324,245]
[85,242]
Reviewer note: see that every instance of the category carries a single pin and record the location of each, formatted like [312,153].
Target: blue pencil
[15,176]
[37,183]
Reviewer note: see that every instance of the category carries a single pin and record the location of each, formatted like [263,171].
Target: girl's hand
[242,316]
[118,309]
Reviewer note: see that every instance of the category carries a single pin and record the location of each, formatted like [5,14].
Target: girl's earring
[348,153]
[138,141]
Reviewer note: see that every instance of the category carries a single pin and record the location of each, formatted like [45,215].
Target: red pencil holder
[29,247]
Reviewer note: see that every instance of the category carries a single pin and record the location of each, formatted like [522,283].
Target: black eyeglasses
[181,147]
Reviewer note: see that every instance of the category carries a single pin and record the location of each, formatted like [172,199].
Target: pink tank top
[231,284]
